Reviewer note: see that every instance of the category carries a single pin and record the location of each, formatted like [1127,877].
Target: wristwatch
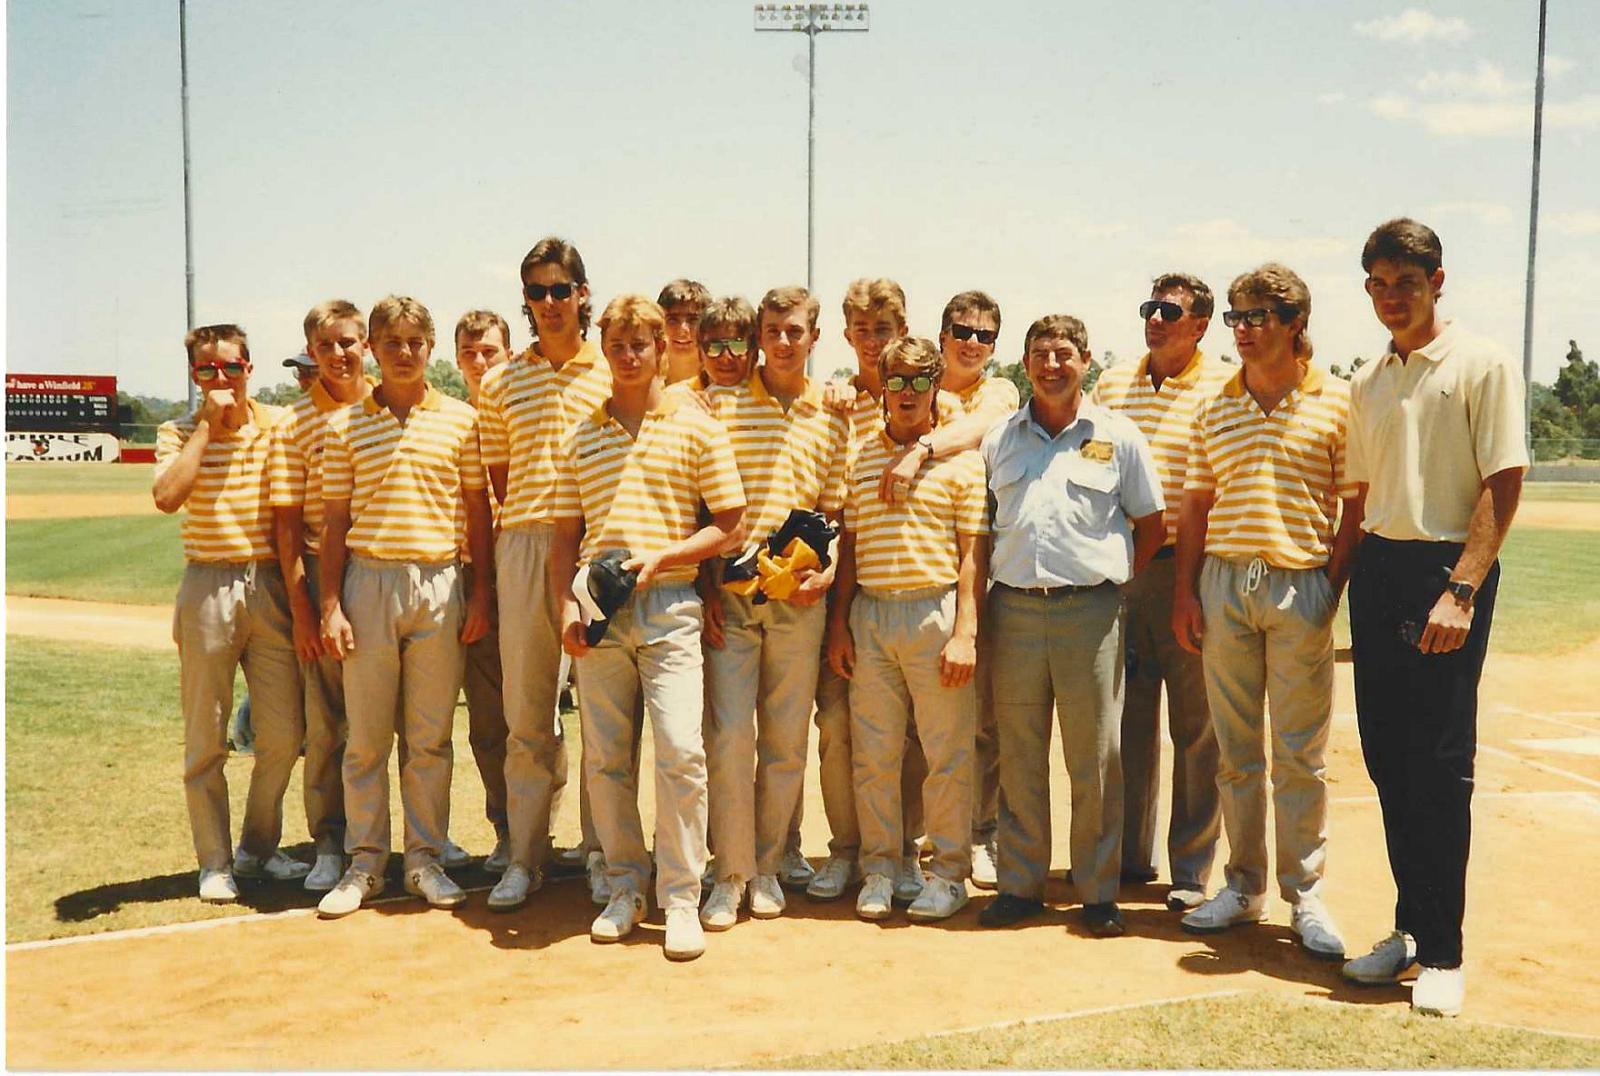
[927,443]
[1461,590]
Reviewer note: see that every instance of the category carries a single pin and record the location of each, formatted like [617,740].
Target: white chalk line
[1553,719]
[1546,767]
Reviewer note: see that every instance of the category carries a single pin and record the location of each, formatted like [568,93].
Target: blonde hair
[326,313]
[866,295]
[634,312]
[1282,288]
[400,308]
[917,353]
[684,292]
[783,300]
[478,322]
[731,312]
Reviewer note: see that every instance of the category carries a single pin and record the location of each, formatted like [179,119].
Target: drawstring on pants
[1253,575]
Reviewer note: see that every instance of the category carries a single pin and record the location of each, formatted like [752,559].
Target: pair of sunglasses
[1168,311]
[559,292]
[736,347]
[899,383]
[1256,316]
[967,332]
[212,370]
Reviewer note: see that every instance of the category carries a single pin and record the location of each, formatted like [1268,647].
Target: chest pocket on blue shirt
[1093,488]
[1007,482]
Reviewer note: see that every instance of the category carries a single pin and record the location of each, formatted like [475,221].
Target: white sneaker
[794,870]
[685,940]
[275,868]
[498,860]
[908,887]
[217,887]
[353,890]
[325,873]
[766,897]
[512,890]
[452,855]
[833,879]
[877,897]
[1181,899]
[1389,960]
[1439,991]
[722,907]
[623,912]
[1319,936]
[599,881]
[1227,908]
[984,873]
[433,885]
[941,898]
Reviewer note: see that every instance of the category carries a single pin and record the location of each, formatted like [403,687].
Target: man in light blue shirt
[1077,511]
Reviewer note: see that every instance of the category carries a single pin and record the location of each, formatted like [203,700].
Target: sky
[1056,155]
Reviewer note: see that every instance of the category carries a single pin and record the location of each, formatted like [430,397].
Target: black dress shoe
[1137,875]
[1008,909]
[1104,920]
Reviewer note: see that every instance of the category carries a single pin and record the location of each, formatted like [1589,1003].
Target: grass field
[136,560]
[1186,1036]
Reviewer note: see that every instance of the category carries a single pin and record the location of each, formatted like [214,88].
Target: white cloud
[1414,25]
[1227,241]
[1479,119]
[1582,223]
[1486,212]
[1486,80]
[1556,66]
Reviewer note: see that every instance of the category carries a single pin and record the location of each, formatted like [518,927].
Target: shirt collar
[1435,350]
[323,399]
[1087,412]
[260,418]
[431,401]
[1184,378]
[669,402]
[811,394]
[586,355]
[1310,385]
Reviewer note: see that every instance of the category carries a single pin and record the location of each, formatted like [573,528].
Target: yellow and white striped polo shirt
[1165,416]
[644,495]
[228,516]
[526,409]
[994,397]
[912,544]
[787,460]
[866,415]
[402,482]
[297,475]
[1277,478]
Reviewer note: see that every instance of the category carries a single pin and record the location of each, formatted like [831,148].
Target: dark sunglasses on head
[1168,311]
[967,332]
[1256,316]
[736,347]
[899,383]
[210,370]
[559,292]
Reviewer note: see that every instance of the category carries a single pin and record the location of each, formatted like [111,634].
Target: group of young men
[730,549]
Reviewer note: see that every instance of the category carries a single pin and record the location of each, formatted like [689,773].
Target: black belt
[1165,552]
[1052,592]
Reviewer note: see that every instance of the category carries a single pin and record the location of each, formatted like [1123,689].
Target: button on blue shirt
[1063,504]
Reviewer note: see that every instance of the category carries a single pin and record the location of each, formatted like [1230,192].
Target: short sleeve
[971,496]
[1141,481]
[1495,415]
[1197,473]
[833,482]
[286,467]
[169,442]
[495,445]
[568,500]
[717,471]
[472,476]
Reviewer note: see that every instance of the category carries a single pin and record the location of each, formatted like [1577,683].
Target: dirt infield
[148,626]
[78,505]
[399,986]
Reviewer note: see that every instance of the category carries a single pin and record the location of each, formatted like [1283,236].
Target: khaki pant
[406,618]
[227,616]
[1062,660]
[836,771]
[486,714]
[322,779]
[530,657]
[1274,642]
[898,641]
[759,689]
[1154,659]
[651,650]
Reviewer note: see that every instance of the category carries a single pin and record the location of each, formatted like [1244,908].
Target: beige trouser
[227,616]
[530,658]
[759,688]
[406,619]
[651,649]
[486,714]
[1062,660]
[1274,641]
[326,730]
[898,641]
[1154,658]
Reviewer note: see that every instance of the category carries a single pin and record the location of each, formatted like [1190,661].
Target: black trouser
[1418,715]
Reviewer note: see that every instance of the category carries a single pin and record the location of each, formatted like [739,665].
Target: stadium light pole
[1533,238]
[811,20]
[188,229]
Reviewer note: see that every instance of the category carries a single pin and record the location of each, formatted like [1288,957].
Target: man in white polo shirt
[1436,442]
